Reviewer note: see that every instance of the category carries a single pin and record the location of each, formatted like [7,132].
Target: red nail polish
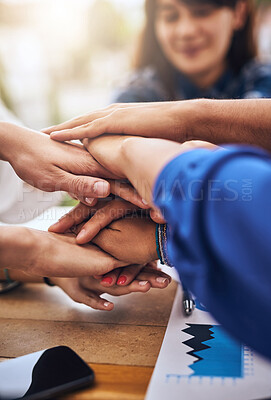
[107,280]
[122,280]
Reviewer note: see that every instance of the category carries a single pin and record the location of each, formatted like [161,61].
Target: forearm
[17,245]
[228,121]
[20,276]
[141,161]
[6,140]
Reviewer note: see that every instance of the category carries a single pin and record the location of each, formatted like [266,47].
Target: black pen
[188,302]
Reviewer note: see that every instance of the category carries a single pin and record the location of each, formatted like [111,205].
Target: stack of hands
[107,242]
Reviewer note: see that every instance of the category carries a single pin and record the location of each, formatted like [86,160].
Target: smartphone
[44,375]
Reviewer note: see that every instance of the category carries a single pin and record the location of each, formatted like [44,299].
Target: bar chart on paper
[199,360]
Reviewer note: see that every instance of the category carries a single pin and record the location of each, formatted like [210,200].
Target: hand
[118,188]
[215,121]
[124,276]
[47,254]
[99,217]
[52,166]
[167,120]
[131,240]
[140,160]
[88,290]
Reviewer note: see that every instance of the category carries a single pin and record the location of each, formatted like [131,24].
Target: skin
[52,166]
[98,218]
[217,121]
[88,291]
[47,254]
[137,238]
[140,160]
[64,166]
[59,167]
[196,38]
[133,229]
[129,231]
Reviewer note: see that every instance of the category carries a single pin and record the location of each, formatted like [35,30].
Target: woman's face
[196,38]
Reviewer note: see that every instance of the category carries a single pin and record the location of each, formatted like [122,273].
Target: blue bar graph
[216,354]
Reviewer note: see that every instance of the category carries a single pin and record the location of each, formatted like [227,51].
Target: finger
[110,123]
[70,260]
[157,216]
[97,277]
[119,120]
[77,215]
[91,299]
[84,119]
[128,193]
[110,278]
[79,121]
[88,201]
[157,279]
[73,123]
[128,274]
[115,290]
[112,211]
[85,186]
[134,286]
[88,130]
[153,265]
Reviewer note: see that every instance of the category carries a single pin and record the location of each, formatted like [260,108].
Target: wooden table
[121,346]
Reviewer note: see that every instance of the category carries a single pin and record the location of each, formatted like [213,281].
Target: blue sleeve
[218,208]
[256,81]
[133,94]
[143,86]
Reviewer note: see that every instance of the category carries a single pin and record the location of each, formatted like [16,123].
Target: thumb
[85,186]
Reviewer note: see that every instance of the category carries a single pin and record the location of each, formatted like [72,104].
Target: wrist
[144,159]
[17,245]
[6,141]
[17,275]
[194,117]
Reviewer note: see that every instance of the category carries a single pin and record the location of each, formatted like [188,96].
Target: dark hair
[149,53]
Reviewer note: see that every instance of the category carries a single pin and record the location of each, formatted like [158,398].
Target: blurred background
[61,58]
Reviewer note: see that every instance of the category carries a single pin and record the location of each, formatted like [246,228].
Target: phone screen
[44,374]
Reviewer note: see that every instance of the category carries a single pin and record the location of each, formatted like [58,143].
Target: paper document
[199,360]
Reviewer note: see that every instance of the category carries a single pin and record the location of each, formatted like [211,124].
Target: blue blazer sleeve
[218,208]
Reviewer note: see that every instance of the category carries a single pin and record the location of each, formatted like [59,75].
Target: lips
[190,51]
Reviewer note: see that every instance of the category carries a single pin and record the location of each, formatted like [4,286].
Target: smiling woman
[196,37]
[195,49]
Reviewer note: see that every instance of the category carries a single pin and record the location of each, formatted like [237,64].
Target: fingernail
[89,200]
[101,188]
[53,134]
[143,283]
[144,202]
[122,280]
[107,280]
[107,303]
[81,234]
[161,280]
